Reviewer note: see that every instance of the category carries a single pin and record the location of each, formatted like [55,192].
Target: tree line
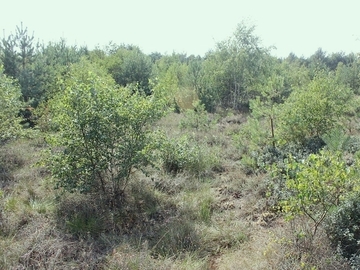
[228,76]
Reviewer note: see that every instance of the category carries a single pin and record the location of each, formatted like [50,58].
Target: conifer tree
[18,54]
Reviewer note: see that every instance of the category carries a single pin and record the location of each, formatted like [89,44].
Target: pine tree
[9,56]
[18,54]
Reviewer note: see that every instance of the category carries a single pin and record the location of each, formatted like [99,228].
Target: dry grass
[218,221]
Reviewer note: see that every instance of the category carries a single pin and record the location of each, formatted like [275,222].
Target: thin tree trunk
[272,132]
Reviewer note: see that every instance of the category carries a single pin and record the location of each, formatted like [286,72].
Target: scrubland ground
[210,214]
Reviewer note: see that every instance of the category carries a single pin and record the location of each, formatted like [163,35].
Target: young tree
[53,61]
[18,55]
[317,184]
[264,106]
[314,109]
[172,79]
[348,74]
[102,132]
[240,63]
[195,73]
[128,65]
[9,56]
[10,104]
[260,133]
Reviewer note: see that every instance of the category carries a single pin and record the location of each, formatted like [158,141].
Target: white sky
[190,26]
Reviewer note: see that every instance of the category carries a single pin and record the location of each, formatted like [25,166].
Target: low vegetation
[121,160]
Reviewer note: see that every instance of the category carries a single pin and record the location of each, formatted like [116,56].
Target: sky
[190,26]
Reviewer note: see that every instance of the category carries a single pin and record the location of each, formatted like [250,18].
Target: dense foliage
[317,185]
[102,133]
[314,110]
[343,228]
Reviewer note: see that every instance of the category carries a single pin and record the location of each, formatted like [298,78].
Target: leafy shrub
[343,228]
[313,110]
[276,190]
[317,184]
[102,134]
[259,161]
[274,161]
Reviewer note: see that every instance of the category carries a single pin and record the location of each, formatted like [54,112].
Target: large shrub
[102,133]
[317,184]
[313,110]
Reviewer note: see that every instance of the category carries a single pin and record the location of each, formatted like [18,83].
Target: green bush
[103,133]
[314,110]
[259,161]
[343,229]
[318,184]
